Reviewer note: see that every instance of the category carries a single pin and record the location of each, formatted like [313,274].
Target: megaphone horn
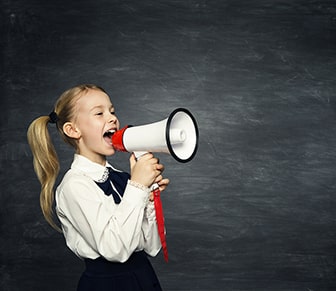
[176,135]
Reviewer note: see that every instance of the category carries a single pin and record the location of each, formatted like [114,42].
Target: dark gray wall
[255,209]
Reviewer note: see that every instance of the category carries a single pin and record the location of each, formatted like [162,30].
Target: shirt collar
[94,170]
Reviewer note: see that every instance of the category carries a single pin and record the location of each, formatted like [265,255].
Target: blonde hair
[45,159]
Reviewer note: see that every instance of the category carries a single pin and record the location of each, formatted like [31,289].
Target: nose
[113,118]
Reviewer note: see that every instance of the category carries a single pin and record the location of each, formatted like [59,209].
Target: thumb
[132,160]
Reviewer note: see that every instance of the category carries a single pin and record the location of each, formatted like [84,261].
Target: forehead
[93,98]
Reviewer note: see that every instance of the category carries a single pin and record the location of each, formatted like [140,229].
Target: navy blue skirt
[136,274]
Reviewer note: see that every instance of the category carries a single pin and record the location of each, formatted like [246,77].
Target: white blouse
[93,225]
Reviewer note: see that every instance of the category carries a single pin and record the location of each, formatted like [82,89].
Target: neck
[99,159]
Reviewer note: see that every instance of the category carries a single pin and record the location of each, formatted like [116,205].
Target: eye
[99,113]
[113,112]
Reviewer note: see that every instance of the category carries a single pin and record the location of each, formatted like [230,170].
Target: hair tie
[53,117]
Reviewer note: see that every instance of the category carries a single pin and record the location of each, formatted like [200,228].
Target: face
[95,122]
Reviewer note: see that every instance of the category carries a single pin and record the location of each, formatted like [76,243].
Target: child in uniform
[107,216]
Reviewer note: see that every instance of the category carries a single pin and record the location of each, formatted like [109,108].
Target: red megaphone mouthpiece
[117,140]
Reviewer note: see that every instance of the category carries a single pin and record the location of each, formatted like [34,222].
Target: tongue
[108,139]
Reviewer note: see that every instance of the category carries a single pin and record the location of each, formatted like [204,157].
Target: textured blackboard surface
[255,209]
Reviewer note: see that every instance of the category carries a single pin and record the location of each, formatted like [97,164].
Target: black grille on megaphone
[182,135]
[176,135]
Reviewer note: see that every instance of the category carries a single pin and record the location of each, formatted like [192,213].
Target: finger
[163,182]
[158,179]
[145,157]
[132,160]
[148,156]
[162,187]
[154,160]
[160,167]
[157,173]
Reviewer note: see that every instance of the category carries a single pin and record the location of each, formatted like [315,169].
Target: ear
[71,130]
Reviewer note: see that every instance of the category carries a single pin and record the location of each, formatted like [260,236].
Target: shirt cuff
[135,195]
[138,185]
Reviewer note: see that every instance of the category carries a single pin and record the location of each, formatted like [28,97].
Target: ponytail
[46,164]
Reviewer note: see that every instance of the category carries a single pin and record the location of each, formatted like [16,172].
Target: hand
[162,182]
[146,169]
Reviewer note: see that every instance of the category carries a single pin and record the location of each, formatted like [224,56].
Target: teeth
[109,132]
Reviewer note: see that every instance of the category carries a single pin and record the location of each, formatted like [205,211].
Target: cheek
[91,127]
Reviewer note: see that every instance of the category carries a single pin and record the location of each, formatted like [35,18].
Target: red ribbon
[160,221]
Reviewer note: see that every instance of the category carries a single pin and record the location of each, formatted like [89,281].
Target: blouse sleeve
[94,223]
[152,243]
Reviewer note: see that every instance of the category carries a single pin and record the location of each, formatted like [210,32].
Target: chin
[110,152]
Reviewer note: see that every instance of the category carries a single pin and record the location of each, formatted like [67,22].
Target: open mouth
[108,136]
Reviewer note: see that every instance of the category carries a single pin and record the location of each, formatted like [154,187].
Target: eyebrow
[101,107]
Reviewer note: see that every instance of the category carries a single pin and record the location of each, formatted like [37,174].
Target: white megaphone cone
[176,135]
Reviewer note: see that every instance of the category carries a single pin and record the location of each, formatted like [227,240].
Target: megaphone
[176,135]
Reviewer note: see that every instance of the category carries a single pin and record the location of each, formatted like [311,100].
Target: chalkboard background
[256,208]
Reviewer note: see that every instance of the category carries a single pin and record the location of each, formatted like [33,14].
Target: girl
[107,216]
